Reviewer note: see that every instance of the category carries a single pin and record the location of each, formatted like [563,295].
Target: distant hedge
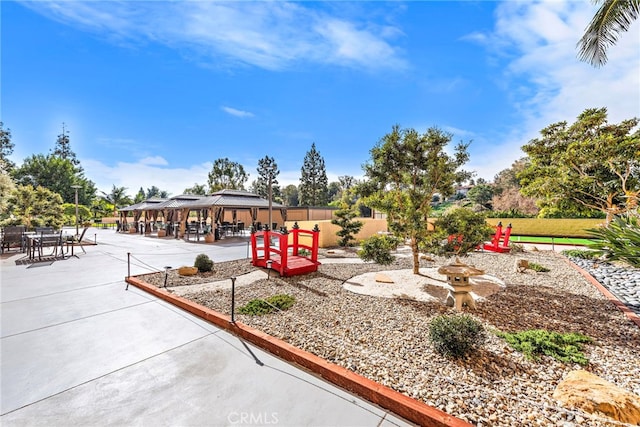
[552,227]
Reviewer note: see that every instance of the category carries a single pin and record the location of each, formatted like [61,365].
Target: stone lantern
[458,275]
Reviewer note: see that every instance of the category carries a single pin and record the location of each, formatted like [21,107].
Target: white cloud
[237,113]
[348,44]
[153,161]
[271,35]
[546,81]
[145,173]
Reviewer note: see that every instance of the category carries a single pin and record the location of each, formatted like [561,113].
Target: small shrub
[456,336]
[533,343]
[282,301]
[203,263]
[258,307]
[516,248]
[537,267]
[378,249]
[458,232]
[580,253]
[304,252]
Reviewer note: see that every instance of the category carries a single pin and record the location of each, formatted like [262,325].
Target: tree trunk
[416,255]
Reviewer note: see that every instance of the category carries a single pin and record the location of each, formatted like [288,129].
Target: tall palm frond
[613,18]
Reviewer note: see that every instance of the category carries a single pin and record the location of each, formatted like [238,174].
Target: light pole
[270,170]
[75,187]
[270,202]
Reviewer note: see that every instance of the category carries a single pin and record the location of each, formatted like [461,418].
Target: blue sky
[153,92]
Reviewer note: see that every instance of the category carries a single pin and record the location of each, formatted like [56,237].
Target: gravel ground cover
[386,339]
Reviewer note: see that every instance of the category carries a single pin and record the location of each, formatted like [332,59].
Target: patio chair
[79,242]
[53,240]
[13,236]
[45,230]
[192,230]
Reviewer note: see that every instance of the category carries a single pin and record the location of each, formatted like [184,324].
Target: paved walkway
[77,349]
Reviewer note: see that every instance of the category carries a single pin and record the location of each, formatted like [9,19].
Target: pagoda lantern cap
[459,269]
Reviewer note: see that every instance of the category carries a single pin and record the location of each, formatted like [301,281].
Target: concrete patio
[77,349]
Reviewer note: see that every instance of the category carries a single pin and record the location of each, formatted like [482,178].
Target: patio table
[32,242]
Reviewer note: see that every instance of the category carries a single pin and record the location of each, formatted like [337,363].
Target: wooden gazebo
[216,207]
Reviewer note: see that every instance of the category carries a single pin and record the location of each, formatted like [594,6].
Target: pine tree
[313,190]
[6,149]
[63,148]
[140,196]
[345,220]
[267,166]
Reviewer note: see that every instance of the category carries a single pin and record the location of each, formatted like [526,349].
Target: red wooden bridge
[272,249]
[500,241]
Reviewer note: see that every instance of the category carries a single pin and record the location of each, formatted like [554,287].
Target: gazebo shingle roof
[225,199]
[149,204]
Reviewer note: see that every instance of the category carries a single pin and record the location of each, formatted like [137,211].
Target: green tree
[338,188]
[56,174]
[405,171]
[590,165]
[345,219]
[140,196]
[226,174]
[290,195]
[267,167]
[39,207]
[69,209]
[612,18]
[458,232]
[481,194]
[6,149]
[117,197]
[63,149]
[507,196]
[313,189]
[197,189]
[6,188]
[334,192]
[101,208]
[155,192]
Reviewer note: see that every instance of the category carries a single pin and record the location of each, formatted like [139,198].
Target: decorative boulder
[592,394]
[187,271]
[383,278]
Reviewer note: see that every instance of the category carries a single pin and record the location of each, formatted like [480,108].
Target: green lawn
[549,240]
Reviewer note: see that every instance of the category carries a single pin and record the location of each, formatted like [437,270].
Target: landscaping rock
[187,271]
[347,329]
[383,278]
[592,394]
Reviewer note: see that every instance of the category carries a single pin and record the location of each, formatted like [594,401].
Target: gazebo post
[183,222]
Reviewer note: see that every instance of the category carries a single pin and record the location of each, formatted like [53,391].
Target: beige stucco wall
[328,231]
